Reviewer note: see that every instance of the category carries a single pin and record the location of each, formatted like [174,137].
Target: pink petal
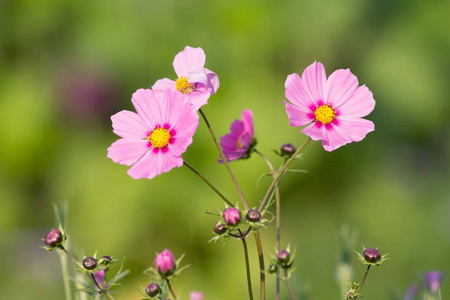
[333,138]
[162,85]
[296,93]
[213,81]
[144,102]
[189,60]
[247,121]
[314,81]
[359,105]
[297,116]
[356,128]
[153,164]
[128,124]
[340,87]
[127,151]
[198,76]
[199,97]
[315,131]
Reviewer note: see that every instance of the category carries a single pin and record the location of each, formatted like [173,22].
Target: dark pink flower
[165,263]
[231,216]
[238,143]
[100,277]
[195,81]
[153,139]
[332,108]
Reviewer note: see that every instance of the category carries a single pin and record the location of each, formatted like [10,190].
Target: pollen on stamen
[159,137]
[325,114]
[183,86]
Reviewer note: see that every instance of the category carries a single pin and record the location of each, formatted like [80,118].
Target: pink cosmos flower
[238,143]
[165,263]
[196,295]
[153,139]
[332,107]
[195,81]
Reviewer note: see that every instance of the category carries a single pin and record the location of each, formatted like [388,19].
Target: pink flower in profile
[195,81]
[165,263]
[332,107]
[239,142]
[99,277]
[196,295]
[153,139]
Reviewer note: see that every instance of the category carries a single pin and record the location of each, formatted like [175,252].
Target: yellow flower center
[325,114]
[183,86]
[159,137]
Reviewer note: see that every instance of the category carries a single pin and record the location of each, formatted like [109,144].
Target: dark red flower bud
[220,228]
[283,256]
[253,215]
[372,255]
[107,258]
[53,238]
[288,149]
[89,263]
[152,289]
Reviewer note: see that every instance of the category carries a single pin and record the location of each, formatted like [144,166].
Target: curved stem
[261,265]
[68,254]
[362,281]
[225,161]
[291,291]
[209,184]
[280,174]
[247,265]
[170,289]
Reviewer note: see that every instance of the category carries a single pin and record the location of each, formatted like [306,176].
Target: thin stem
[225,161]
[247,265]
[96,283]
[261,265]
[209,184]
[65,274]
[280,174]
[170,289]
[288,284]
[68,254]
[362,281]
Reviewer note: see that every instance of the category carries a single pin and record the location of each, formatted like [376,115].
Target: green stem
[362,281]
[261,265]
[65,274]
[225,161]
[170,289]
[288,284]
[280,173]
[247,266]
[277,217]
[209,184]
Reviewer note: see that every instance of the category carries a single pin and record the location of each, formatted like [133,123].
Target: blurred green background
[66,66]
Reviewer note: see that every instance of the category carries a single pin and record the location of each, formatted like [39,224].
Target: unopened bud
[283,256]
[372,255]
[152,289]
[288,149]
[220,228]
[232,216]
[89,263]
[253,215]
[54,238]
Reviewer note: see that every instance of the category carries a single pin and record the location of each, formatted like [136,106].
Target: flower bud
[165,263]
[433,281]
[152,289]
[107,259]
[220,228]
[253,215]
[232,216]
[288,149]
[54,238]
[89,263]
[272,269]
[372,255]
[283,256]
